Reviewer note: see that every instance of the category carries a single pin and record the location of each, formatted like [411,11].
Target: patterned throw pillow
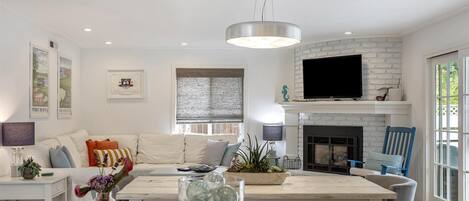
[113,155]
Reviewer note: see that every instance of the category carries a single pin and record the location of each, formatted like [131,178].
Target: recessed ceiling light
[184,44]
[348,33]
[108,43]
[87,30]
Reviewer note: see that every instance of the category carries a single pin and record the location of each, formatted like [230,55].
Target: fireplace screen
[327,148]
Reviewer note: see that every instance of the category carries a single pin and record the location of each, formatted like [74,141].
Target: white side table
[45,188]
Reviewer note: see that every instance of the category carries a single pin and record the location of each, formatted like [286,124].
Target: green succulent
[255,159]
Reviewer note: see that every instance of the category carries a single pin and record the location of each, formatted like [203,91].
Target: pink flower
[81,191]
[128,165]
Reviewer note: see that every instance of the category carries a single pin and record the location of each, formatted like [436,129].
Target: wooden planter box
[261,178]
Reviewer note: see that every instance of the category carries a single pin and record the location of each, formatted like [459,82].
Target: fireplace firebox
[327,148]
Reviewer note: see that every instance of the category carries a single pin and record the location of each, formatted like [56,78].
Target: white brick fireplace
[381,68]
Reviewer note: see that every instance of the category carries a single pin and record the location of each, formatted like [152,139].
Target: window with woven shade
[209,101]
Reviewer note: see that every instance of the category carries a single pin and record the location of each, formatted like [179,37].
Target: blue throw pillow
[230,151]
[60,158]
[375,160]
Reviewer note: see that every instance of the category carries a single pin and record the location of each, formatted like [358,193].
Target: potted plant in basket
[254,167]
[29,169]
[104,183]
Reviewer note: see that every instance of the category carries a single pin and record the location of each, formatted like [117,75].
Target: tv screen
[333,77]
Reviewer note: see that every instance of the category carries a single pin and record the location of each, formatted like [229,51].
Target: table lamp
[17,135]
[272,133]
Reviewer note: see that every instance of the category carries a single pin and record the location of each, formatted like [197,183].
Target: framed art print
[64,89]
[125,84]
[39,86]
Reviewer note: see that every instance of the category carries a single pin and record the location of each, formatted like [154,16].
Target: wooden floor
[296,188]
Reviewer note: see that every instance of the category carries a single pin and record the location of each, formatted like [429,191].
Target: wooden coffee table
[297,188]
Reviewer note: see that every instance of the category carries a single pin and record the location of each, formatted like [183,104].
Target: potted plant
[254,167]
[104,183]
[29,169]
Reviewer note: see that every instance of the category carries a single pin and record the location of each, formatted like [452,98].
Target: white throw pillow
[214,153]
[158,149]
[66,140]
[79,139]
[196,146]
[124,141]
[39,153]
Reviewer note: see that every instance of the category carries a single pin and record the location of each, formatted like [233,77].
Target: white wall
[265,72]
[444,35]
[15,37]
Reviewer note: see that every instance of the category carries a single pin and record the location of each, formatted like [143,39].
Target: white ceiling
[202,23]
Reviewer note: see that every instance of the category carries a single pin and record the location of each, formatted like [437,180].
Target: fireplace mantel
[348,107]
[396,114]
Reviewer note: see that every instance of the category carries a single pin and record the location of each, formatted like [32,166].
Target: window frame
[174,92]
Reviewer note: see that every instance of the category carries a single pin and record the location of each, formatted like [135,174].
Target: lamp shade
[272,132]
[17,134]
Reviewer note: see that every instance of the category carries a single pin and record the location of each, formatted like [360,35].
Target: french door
[450,112]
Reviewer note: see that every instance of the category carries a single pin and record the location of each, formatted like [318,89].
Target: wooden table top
[295,187]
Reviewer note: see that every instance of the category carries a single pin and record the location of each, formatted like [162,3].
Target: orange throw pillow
[98,145]
[106,144]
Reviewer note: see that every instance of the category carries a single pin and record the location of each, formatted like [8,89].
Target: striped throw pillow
[113,155]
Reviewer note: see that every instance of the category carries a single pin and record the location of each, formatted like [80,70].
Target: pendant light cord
[263,7]
[254,13]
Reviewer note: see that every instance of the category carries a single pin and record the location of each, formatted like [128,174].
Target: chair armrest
[353,163]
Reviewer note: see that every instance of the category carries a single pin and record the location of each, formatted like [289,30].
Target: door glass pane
[438,114]
[444,148]
[466,154]
[438,149]
[453,79]
[438,180]
[453,184]
[453,150]
[466,83]
[453,113]
[442,79]
[445,183]
[466,114]
[444,113]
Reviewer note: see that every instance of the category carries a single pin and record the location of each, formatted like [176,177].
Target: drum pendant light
[263,34]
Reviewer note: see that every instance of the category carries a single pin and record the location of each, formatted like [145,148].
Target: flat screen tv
[333,77]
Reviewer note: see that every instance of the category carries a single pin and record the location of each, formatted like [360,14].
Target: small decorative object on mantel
[254,167]
[104,183]
[395,94]
[125,84]
[383,97]
[286,97]
[30,169]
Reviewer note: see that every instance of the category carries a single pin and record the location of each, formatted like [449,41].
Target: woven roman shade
[209,95]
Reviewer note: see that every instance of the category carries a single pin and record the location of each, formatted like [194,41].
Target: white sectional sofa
[149,150]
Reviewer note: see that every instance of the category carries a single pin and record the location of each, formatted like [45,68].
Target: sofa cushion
[123,141]
[157,149]
[214,153]
[375,160]
[196,146]
[59,158]
[230,151]
[76,153]
[51,143]
[113,156]
[39,153]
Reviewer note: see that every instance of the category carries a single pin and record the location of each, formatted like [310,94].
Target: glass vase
[104,196]
[215,187]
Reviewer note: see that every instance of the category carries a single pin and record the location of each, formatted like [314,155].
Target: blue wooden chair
[397,141]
